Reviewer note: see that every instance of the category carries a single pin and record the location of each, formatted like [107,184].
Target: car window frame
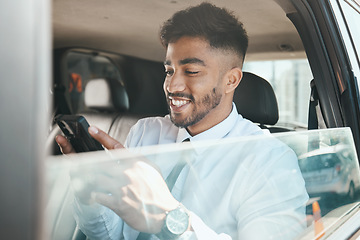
[318,28]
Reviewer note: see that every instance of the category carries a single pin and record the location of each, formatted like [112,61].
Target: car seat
[255,100]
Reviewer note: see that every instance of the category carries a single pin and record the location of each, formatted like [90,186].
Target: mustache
[184,95]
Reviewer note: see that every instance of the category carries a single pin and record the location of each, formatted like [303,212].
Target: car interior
[130,45]
[119,40]
[108,67]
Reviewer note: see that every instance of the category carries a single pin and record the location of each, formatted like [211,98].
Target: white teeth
[178,103]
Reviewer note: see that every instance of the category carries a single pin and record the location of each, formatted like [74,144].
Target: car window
[82,67]
[351,11]
[290,80]
[278,171]
[348,16]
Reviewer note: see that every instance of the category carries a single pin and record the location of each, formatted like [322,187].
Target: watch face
[177,221]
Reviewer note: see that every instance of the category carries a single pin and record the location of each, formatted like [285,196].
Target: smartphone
[75,129]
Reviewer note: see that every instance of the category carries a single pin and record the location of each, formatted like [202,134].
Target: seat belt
[314,100]
[315,118]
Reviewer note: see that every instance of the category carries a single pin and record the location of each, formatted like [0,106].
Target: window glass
[81,67]
[352,16]
[290,80]
[254,180]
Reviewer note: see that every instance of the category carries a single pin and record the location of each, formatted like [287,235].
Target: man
[205,50]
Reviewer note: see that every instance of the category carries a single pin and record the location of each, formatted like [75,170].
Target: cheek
[202,86]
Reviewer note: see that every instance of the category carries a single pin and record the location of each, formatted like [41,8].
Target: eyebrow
[188,61]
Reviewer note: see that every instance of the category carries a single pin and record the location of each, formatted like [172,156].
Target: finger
[104,139]
[105,200]
[64,145]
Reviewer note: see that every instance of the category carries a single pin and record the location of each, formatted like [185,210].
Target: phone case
[75,128]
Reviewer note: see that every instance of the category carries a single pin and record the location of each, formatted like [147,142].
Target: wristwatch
[176,223]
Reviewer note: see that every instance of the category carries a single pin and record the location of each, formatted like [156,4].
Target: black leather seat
[255,100]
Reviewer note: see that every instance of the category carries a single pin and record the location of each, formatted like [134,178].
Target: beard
[201,108]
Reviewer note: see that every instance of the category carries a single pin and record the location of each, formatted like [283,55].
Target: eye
[191,72]
[169,73]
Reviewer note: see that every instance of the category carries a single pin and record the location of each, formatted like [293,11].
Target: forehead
[190,48]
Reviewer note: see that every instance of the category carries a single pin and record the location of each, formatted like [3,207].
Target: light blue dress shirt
[243,189]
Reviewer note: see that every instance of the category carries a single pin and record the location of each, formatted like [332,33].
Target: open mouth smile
[177,104]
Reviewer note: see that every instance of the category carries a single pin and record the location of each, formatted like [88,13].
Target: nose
[174,83]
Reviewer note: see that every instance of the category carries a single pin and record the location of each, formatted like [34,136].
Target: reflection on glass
[330,168]
[245,188]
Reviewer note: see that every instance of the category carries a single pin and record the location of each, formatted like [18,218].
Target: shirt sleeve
[276,200]
[97,221]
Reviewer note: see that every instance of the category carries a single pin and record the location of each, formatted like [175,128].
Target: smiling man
[200,82]
[258,196]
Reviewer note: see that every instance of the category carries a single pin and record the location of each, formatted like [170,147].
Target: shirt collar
[216,132]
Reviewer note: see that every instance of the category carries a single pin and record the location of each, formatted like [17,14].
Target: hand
[81,179]
[108,142]
[134,188]
[135,191]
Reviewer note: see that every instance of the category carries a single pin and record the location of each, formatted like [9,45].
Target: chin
[177,121]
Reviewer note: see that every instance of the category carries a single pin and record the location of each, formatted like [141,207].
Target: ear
[233,78]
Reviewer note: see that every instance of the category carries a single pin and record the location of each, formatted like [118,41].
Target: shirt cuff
[202,231]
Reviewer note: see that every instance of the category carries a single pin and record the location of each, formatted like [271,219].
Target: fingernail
[93,130]
[117,146]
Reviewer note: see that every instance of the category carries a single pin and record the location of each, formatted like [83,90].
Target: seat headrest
[106,95]
[255,100]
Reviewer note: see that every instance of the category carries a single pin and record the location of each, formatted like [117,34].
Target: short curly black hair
[217,25]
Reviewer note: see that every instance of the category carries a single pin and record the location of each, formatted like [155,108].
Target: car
[331,176]
[330,170]
[56,56]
